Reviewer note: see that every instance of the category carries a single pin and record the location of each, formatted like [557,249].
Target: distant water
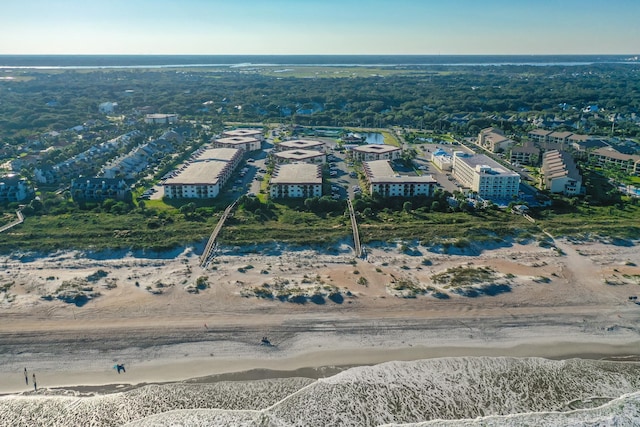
[170,61]
[468,391]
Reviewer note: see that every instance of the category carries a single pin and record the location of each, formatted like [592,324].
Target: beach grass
[161,226]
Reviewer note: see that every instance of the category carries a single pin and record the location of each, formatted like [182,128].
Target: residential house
[107,107]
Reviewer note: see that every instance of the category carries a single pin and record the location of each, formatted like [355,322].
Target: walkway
[356,235]
[211,244]
[20,220]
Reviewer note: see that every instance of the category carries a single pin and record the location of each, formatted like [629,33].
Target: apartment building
[560,174]
[243,133]
[296,180]
[306,156]
[98,189]
[300,144]
[246,143]
[204,176]
[493,140]
[483,175]
[383,180]
[368,153]
[442,160]
[160,119]
[526,154]
[606,156]
[14,189]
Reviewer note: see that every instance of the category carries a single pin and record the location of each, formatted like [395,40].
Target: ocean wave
[464,391]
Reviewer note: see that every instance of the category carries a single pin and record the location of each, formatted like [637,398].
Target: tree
[188,209]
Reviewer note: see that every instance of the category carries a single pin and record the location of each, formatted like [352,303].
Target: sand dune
[143,310]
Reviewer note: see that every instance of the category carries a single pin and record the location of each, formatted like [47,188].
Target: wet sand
[177,335]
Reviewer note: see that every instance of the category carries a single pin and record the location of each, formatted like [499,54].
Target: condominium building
[204,177]
[485,176]
[300,144]
[98,189]
[539,135]
[560,174]
[527,154]
[442,160]
[370,152]
[161,119]
[383,180]
[306,156]
[243,133]
[14,189]
[296,180]
[246,143]
[493,140]
[606,156]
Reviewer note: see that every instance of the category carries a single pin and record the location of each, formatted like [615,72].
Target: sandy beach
[316,308]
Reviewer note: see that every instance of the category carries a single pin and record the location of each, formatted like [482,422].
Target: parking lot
[344,180]
[444,178]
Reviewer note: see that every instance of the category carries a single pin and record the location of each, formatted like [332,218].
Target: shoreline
[319,363]
[146,316]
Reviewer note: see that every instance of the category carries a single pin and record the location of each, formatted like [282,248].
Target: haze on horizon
[265,27]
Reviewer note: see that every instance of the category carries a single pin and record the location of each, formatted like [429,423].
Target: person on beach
[26,377]
[35,384]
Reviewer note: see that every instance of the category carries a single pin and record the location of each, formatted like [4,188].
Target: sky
[342,27]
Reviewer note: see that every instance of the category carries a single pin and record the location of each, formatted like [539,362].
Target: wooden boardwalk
[356,234]
[20,220]
[209,250]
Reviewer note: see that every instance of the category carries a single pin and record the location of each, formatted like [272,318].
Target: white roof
[297,173]
[299,154]
[376,148]
[242,132]
[236,140]
[221,154]
[380,171]
[300,143]
[203,173]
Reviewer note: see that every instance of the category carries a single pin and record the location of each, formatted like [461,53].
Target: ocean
[466,391]
[172,61]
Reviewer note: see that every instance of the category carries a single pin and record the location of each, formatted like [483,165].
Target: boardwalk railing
[209,249]
[356,235]
[20,220]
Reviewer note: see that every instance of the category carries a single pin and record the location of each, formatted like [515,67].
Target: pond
[373,138]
